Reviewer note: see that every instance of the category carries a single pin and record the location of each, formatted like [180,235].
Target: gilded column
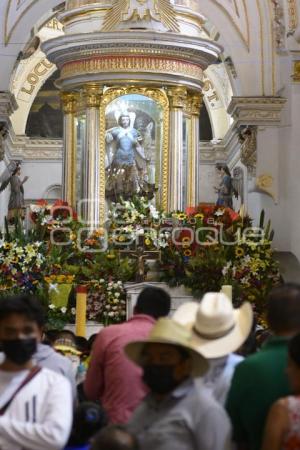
[69,100]
[194,107]
[177,98]
[91,160]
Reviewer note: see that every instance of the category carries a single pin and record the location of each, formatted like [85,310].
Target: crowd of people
[198,380]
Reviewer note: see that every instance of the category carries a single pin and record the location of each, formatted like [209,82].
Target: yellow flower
[61,278]
[98,233]
[7,246]
[110,256]
[175,215]
[199,216]
[186,239]
[147,241]
[239,252]
[186,246]
[187,252]
[121,238]
[182,216]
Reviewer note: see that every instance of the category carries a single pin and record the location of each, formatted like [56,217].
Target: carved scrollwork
[248,140]
[3,135]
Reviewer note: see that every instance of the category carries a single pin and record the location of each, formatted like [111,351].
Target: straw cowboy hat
[217,328]
[166,331]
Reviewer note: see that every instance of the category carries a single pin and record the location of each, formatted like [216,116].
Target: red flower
[232,214]
[190,210]
[42,202]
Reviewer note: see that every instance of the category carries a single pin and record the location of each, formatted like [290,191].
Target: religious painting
[45,119]
[133,142]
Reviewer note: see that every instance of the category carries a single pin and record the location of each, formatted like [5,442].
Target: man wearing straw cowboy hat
[218,330]
[176,415]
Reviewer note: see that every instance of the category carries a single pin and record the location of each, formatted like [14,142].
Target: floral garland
[201,248]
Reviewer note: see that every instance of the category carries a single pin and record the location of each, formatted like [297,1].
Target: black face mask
[19,351]
[160,379]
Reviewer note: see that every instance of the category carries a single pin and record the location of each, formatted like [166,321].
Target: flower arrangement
[201,248]
[57,317]
[106,301]
[216,246]
[21,265]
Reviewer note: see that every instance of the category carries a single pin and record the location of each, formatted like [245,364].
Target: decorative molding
[293,15]
[177,97]
[23,148]
[68,48]
[264,111]
[92,95]
[194,104]
[296,73]
[278,24]
[3,135]
[69,102]
[113,64]
[8,105]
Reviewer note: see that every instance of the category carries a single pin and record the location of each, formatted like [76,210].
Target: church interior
[153,144]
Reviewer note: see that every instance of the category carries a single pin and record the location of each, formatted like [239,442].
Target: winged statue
[238,183]
[135,11]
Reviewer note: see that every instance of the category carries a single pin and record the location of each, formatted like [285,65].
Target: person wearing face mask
[177,414]
[35,403]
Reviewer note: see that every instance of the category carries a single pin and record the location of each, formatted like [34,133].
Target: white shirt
[9,384]
[40,416]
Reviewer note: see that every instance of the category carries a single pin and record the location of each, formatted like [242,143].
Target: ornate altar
[131,80]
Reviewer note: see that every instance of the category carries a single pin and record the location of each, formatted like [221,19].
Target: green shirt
[258,382]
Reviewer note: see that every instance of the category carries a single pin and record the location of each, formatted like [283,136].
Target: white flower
[219,212]
[101,280]
[35,208]
[244,280]
[63,310]
[117,294]
[73,311]
[51,306]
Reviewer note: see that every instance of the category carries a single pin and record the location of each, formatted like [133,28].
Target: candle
[227,290]
[81,298]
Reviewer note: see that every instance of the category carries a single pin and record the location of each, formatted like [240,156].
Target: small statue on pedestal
[16,204]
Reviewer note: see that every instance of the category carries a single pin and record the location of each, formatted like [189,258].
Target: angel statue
[126,163]
[226,189]
[16,204]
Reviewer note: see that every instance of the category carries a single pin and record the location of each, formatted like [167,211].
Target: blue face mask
[160,378]
[19,351]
